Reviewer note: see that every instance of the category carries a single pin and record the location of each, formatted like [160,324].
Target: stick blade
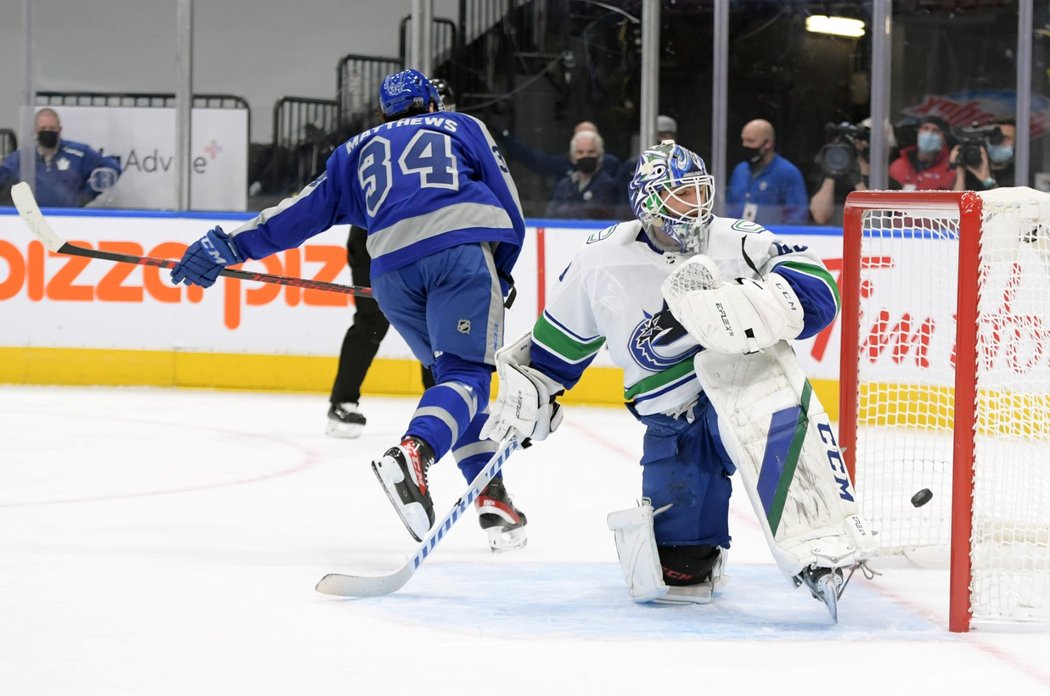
[340,585]
[23,198]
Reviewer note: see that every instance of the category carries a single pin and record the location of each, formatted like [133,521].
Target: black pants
[362,339]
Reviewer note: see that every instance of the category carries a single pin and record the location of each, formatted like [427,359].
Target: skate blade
[690,594]
[502,541]
[827,592]
[412,515]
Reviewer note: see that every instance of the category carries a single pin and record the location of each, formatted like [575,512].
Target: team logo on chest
[659,341]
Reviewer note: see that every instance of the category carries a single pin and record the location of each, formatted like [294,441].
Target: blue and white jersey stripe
[418,185]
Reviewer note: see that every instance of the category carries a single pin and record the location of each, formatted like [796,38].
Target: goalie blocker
[525,408]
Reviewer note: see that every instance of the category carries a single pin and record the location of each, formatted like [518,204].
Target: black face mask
[47,139]
[587,165]
[753,155]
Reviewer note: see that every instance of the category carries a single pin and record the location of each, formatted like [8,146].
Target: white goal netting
[909,299]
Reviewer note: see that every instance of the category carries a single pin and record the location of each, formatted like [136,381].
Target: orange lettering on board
[16,270]
[334,259]
[231,313]
[111,288]
[265,293]
[61,285]
[293,268]
[35,272]
[151,278]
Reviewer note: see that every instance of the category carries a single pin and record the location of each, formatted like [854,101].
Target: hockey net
[945,385]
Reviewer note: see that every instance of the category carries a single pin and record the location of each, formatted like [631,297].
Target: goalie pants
[685,465]
[448,307]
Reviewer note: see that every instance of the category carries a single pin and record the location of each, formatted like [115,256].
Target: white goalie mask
[672,195]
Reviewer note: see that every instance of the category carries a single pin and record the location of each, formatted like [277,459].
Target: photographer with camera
[984,157]
[844,164]
[924,166]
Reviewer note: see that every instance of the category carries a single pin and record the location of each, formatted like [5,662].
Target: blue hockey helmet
[406,90]
[672,195]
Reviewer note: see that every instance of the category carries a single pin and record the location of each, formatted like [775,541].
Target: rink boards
[71,320]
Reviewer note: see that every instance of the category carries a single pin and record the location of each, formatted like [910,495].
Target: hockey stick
[34,219]
[378,585]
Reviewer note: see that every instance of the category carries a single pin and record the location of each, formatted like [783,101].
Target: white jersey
[610,295]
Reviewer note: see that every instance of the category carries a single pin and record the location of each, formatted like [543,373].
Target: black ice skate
[345,420]
[825,584]
[504,523]
[402,471]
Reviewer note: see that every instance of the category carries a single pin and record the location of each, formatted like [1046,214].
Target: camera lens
[971,155]
[836,159]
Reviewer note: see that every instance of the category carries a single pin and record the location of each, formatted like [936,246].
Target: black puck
[922,497]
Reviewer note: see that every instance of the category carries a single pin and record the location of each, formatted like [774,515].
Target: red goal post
[945,385]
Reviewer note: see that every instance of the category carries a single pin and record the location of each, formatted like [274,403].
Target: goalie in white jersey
[650,291]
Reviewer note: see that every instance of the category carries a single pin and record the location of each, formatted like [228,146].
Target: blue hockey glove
[205,259]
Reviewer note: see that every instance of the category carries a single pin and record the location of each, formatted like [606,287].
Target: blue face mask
[1000,154]
[929,141]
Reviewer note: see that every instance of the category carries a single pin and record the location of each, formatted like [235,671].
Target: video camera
[974,139]
[839,155]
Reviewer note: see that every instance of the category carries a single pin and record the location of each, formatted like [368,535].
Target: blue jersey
[778,193]
[418,185]
[73,177]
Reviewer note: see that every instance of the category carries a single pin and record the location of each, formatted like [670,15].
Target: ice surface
[167,542]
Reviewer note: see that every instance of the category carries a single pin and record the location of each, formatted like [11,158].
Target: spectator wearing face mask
[925,165]
[997,160]
[589,191]
[550,165]
[68,174]
[766,188]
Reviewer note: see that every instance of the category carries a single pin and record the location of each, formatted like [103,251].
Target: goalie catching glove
[739,317]
[525,408]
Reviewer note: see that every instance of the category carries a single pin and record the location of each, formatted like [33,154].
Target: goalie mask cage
[945,385]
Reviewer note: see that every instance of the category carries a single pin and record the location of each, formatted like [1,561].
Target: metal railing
[156,100]
[8,142]
[138,99]
[443,39]
[305,131]
[476,17]
[357,88]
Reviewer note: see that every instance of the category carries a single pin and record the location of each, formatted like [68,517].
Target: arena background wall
[74,321]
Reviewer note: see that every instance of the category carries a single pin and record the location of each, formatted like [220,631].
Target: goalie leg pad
[780,439]
[636,548]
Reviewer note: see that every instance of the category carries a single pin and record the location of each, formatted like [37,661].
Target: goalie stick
[342,585]
[34,219]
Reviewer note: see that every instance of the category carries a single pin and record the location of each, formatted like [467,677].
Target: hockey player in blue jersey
[445,228]
[697,311]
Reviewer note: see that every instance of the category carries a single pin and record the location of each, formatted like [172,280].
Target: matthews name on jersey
[622,271]
[418,185]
